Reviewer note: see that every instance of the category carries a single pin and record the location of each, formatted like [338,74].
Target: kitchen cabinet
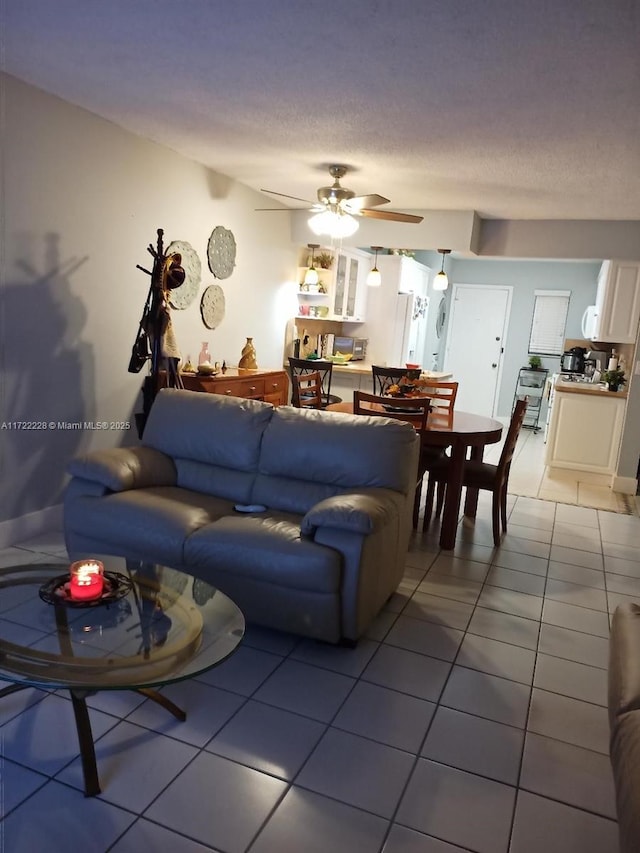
[617,309]
[341,294]
[585,429]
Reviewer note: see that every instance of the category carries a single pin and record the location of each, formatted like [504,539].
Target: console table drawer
[253,387]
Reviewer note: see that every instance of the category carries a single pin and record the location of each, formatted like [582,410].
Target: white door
[478,319]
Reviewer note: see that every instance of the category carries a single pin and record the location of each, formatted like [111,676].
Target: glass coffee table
[157,625]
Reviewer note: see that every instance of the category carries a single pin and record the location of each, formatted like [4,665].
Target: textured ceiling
[516,110]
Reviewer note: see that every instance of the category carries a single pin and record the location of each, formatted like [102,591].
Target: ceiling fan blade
[392,215]
[284,195]
[283,209]
[371,200]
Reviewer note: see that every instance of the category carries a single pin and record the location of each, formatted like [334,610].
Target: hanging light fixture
[333,223]
[311,276]
[374,279]
[441,282]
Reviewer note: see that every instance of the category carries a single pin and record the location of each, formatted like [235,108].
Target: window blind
[549,322]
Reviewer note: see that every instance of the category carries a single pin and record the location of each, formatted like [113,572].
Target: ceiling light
[441,282]
[333,224]
[311,275]
[374,279]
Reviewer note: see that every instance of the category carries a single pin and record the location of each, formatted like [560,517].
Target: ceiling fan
[337,205]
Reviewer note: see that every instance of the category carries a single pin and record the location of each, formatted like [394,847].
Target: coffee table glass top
[168,627]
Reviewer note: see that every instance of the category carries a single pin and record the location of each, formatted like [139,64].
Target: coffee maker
[600,359]
[572,361]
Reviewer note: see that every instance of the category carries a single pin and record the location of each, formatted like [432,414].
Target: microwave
[355,347]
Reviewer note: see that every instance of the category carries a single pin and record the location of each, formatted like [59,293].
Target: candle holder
[57,591]
[87,581]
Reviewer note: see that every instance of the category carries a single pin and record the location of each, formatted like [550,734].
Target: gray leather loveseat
[323,557]
[624,721]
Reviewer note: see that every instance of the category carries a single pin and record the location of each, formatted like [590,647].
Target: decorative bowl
[412,366]
[206,369]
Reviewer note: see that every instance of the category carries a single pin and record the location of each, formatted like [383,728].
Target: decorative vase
[613,386]
[205,355]
[248,356]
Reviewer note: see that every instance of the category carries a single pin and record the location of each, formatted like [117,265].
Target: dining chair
[481,475]
[307,390]
[383,377]
[302,366]
[443,399]
[413,409]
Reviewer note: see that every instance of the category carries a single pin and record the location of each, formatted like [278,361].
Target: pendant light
[441,282]
[311,276]
[374,279]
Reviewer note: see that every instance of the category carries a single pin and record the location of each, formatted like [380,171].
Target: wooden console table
[272,386]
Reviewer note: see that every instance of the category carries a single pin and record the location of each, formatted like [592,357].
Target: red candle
[86,580]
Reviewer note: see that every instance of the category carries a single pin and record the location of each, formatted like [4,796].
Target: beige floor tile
[559,496]
[558,475]
[596,496]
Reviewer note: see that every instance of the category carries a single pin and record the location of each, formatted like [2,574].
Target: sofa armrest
[361,512]
[123,468]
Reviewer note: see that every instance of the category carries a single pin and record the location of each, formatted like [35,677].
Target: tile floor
[472,717]
[530,477]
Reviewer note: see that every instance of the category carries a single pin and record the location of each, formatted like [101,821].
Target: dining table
[465,433]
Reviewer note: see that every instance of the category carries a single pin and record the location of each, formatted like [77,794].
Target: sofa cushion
[155,521]
[625,760]
[309,455]
[267,547]
[180,424]
[624,661]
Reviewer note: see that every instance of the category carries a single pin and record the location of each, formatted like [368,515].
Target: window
[549,322]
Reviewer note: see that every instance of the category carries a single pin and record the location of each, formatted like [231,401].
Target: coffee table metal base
[83,727]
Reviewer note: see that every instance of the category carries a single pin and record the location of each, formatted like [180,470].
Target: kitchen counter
[364,368]
[357,375]
[596,389]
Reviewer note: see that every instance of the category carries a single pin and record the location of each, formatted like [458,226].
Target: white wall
[82,200]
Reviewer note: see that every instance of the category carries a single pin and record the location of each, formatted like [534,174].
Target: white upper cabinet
[342,291]
[617,309]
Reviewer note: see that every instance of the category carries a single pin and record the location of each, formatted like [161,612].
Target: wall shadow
[46,375]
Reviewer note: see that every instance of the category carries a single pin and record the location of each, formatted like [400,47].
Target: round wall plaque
[212,306]
[184,295]
[221,252]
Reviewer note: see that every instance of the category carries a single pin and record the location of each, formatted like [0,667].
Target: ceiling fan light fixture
[332,224]
[311,276]
[374,278]
[441,281]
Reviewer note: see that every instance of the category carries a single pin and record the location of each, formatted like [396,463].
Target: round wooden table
[465,431]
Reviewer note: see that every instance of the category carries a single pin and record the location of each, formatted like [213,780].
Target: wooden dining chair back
[304,366]
[413,409]
[482,475]
[443,400]
[307,390]
[383,377]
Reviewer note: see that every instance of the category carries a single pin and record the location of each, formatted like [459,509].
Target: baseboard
[16,530]
[624,485]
